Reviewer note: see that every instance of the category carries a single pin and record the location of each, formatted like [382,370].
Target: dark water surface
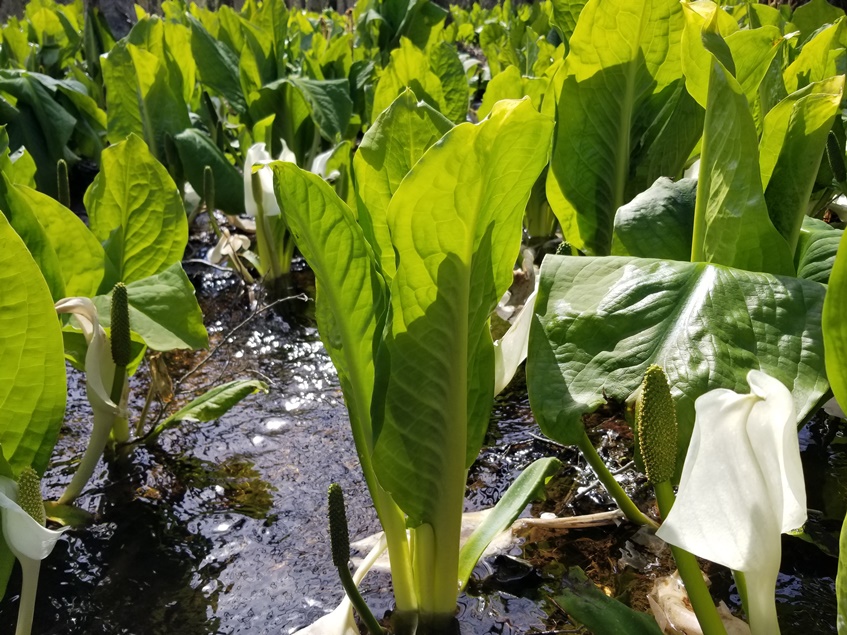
[220,527]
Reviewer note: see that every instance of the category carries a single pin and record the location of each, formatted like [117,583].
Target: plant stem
[29,587]
[145,410]
[741,585]
[120,426]
[358,602]
[612,486]
[689,571]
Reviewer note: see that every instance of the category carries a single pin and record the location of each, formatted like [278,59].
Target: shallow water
[220,527]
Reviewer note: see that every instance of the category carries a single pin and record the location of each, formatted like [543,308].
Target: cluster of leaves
[411,224]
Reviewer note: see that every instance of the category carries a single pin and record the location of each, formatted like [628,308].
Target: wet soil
[218,528]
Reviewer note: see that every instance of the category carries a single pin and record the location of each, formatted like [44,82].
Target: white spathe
[99,375]
[30,543]
[741,487]
[99,366]
[228,245]
[258,155]
[26,538]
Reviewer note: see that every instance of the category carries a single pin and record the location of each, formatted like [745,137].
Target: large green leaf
[135,209]
[731,223]
[21,216]
[350,293]
[811,16]
[508,84]
[143,97]
[754,52]
[162,310]
[602,614]
[623,67]
[330,102]
[820,57]
[835,326]
[389,149]
[81,257]
[658,222]
[196,151]
[600,322]
[816,249]
[455,224]
[32,368]
[38,122]
[292,118]
[217,65]
[835,340]
[408,68]
[565,15]
[790,152]
[445,63]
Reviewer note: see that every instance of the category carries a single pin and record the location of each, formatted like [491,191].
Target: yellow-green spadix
[27,537]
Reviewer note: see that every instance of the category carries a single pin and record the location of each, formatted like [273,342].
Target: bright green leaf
[623,66]
[509,84]
[162,310]
[408,68]
[455,224]
[213,404]
[389,149]
[347,283]
[81,257]
[731,222]
[136,211]
[835,326]
[790,152]
[445,63]
[21,214]
[32,367]
[818,59]
[143,97]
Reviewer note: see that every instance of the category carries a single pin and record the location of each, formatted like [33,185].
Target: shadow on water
[219,528]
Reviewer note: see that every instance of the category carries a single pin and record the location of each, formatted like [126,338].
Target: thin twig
[301,296]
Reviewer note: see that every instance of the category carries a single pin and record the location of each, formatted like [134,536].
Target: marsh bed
[219,528]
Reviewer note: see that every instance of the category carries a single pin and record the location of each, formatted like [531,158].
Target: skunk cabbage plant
[273,241]
[741,487]
[99,376]
[411,338]
[27,537]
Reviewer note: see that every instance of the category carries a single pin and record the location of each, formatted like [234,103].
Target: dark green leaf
[598,612]
[658,222]
[600,322]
